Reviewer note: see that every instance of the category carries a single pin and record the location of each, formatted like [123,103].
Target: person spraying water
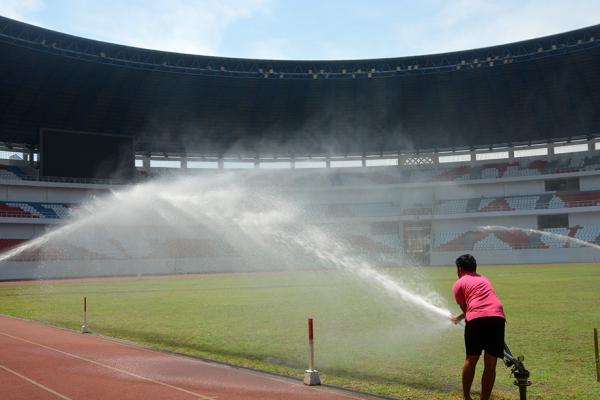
[484,327]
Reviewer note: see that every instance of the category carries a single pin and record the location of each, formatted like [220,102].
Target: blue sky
[307,29]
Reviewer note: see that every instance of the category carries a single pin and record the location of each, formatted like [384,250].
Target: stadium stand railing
[362,176]
[26,173]
[515,203]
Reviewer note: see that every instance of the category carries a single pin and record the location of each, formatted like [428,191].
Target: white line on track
[260,374]
[46,388]
[198,395]
[249,371]
[137,346]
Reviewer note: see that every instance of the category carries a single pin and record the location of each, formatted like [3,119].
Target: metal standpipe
[84,327]
[518,370]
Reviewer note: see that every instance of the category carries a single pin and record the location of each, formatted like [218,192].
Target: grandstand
[412,156]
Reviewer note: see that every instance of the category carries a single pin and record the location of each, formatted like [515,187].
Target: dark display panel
[86,155]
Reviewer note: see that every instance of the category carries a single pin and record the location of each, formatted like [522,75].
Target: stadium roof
[526,92]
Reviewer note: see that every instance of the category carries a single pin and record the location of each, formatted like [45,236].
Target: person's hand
[456,318]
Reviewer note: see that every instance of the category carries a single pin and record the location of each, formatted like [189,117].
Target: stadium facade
[438,146]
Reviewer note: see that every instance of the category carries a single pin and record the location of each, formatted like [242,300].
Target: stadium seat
[523,202]
[452,207]
[491,242]
[555,242]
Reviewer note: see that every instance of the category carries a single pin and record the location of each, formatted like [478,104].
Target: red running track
[42,362]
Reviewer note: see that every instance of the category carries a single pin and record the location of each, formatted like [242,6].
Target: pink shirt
[476,296]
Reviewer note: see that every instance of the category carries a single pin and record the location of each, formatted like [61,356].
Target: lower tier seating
[514,239]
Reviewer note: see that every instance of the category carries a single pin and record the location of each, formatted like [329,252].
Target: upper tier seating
[516,203]
[452,207]
[11,172]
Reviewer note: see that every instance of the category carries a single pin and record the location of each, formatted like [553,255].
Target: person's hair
[467,263]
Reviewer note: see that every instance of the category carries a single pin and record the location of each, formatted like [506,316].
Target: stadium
[403,163]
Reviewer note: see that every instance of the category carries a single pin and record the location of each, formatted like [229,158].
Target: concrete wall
[589,183]
[47,194]
[466,224]
[97,268]
[21,231]
[584,219]
[529,256]
[497,189]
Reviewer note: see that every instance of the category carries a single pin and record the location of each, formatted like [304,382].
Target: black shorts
[485,333]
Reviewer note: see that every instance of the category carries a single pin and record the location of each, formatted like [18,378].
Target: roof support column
[30,156]
[184,162]
[220,162]
[146,163]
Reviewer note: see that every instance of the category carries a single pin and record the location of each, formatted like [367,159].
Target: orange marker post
[311,376]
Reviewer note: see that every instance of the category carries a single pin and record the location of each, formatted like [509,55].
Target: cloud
[184,26]
[466,24]
[273,49]
[22,10]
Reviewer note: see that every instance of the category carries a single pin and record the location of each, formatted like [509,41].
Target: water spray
[518,370]
[311,375]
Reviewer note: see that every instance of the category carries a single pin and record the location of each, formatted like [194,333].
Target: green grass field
[364,339]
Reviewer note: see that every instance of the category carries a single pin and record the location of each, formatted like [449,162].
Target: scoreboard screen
[75,154]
